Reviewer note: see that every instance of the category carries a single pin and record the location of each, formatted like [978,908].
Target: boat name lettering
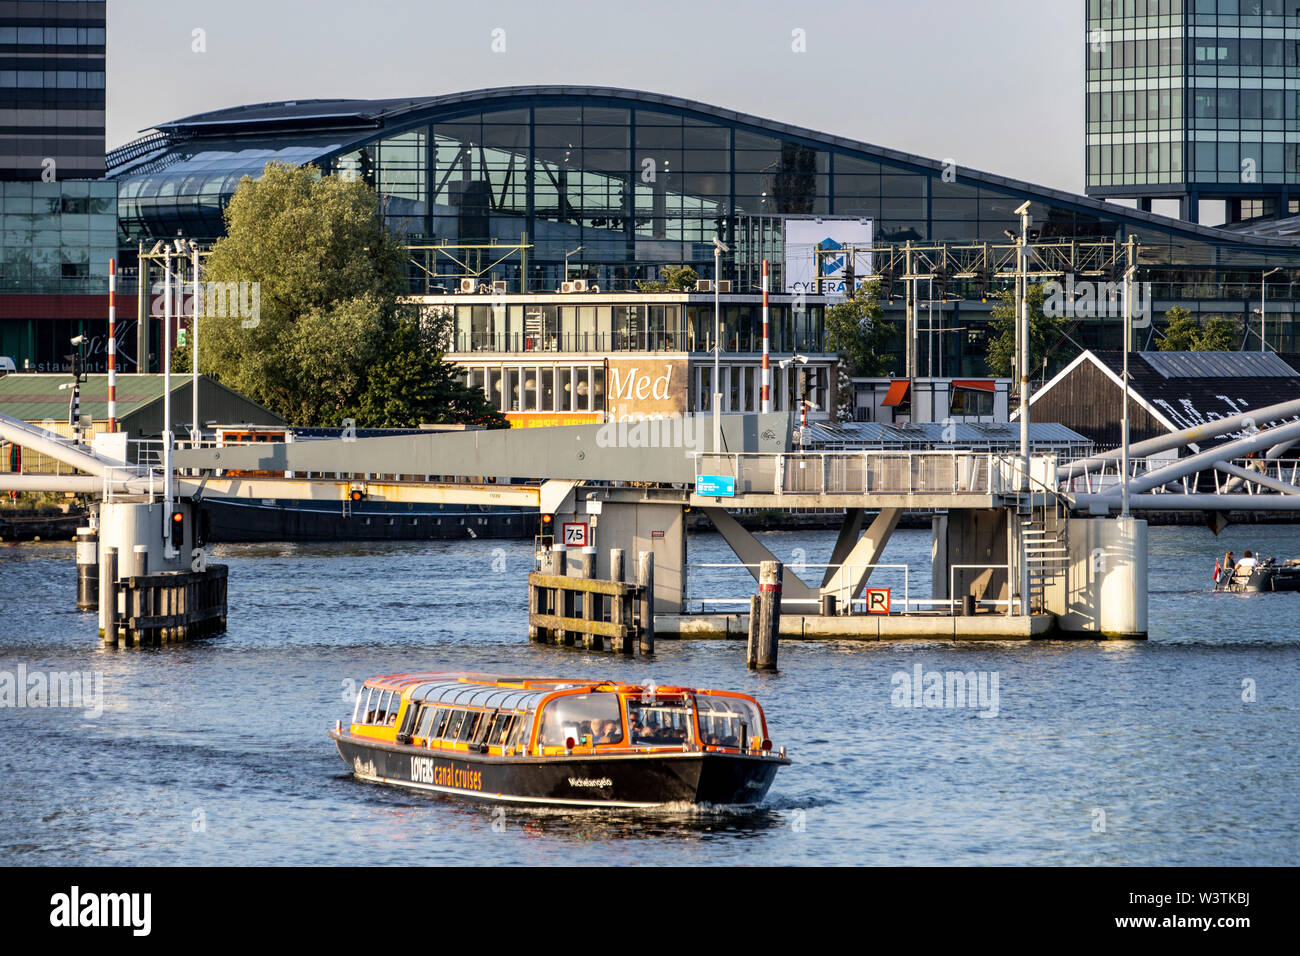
[425,770]
[599,782]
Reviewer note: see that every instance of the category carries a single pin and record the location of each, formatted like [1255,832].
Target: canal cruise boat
[579,743]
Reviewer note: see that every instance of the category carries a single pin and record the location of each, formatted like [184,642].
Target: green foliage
[1185,334]
[857,330]
[330,339]
[410,384]
[675,279]
[1044,333]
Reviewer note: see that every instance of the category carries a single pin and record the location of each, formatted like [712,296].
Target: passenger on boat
[1247,561]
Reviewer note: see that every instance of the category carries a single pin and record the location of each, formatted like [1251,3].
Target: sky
[992,85]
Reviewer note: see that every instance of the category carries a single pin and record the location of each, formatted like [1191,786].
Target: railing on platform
[841,593]
[1210,480]
[873,472]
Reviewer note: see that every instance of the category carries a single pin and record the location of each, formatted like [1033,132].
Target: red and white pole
[112,345]
[766,404]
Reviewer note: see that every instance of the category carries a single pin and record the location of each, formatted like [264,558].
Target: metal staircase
[1045,532]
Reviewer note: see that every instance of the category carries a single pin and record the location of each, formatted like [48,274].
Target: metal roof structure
[316,130]
[37,397]
[1218,364]
[980,436]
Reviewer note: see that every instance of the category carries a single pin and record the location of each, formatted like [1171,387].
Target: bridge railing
[872,472]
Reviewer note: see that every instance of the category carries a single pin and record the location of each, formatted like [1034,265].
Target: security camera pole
[719,247]
[78,375]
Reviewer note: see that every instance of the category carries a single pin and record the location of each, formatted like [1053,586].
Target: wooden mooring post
[765,618]
[108,594]
[607,617]
[163,607]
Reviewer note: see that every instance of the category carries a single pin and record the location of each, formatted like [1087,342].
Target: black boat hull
[240,520]
[1262,579]
[647,779]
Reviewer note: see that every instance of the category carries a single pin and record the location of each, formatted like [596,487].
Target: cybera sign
[428,770]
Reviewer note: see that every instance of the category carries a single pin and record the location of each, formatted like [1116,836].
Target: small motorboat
[1264,574]
[551,741]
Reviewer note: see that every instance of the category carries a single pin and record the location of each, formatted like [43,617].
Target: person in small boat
[1247,561]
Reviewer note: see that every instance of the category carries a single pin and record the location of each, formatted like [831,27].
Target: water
[215,752]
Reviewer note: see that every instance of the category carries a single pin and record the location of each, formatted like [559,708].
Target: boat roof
[469,689]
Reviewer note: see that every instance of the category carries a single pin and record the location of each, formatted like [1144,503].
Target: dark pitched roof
[1185,388]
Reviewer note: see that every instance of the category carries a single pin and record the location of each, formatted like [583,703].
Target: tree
[1184,334]
[329,326]
[410,384]
[1181,333]
[675,279]
[856,328]
[1044,333]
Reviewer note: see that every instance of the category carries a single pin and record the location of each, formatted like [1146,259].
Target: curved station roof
[632,175]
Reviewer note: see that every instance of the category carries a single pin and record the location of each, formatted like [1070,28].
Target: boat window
[362,706]
[409,718]
[725,720]
[469,725]
[379,709]
[484,730]
[452,730]
[500,729]
[586,718]
[425,727]
[659,721]
[521,731]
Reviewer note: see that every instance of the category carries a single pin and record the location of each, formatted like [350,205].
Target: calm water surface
[215,752]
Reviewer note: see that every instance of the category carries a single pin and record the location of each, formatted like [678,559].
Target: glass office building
[1195,100]
[52,90]
[610,185]
[58,217]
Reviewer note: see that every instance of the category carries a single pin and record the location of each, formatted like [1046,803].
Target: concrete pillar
[1107,591]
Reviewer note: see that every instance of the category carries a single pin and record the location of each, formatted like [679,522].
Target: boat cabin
[550,716]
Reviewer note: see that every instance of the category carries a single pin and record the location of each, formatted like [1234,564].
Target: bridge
[1024,546]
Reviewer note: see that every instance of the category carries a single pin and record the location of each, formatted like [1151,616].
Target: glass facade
[604,187]
[57,237]
[1195,98]
[609,186]
[52,90]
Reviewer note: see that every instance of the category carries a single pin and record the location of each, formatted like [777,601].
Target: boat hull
[240,520]
[646,779]
[1262,579]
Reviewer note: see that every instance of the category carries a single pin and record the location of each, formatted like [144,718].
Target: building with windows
[1195,100]
[533,186]
[58,216]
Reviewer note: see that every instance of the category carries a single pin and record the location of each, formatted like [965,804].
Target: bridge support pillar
[632,527]
[969,555]
[1106,592]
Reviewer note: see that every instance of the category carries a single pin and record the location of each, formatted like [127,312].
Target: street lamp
[1263,306]
[566,261]
[719,247]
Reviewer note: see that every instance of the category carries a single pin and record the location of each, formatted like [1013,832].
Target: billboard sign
[804,236]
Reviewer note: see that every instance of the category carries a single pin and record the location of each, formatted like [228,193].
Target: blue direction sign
[715,486]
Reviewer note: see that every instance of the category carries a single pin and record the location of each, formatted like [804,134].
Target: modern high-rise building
[1195,100]
[52,90]
[58,216]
